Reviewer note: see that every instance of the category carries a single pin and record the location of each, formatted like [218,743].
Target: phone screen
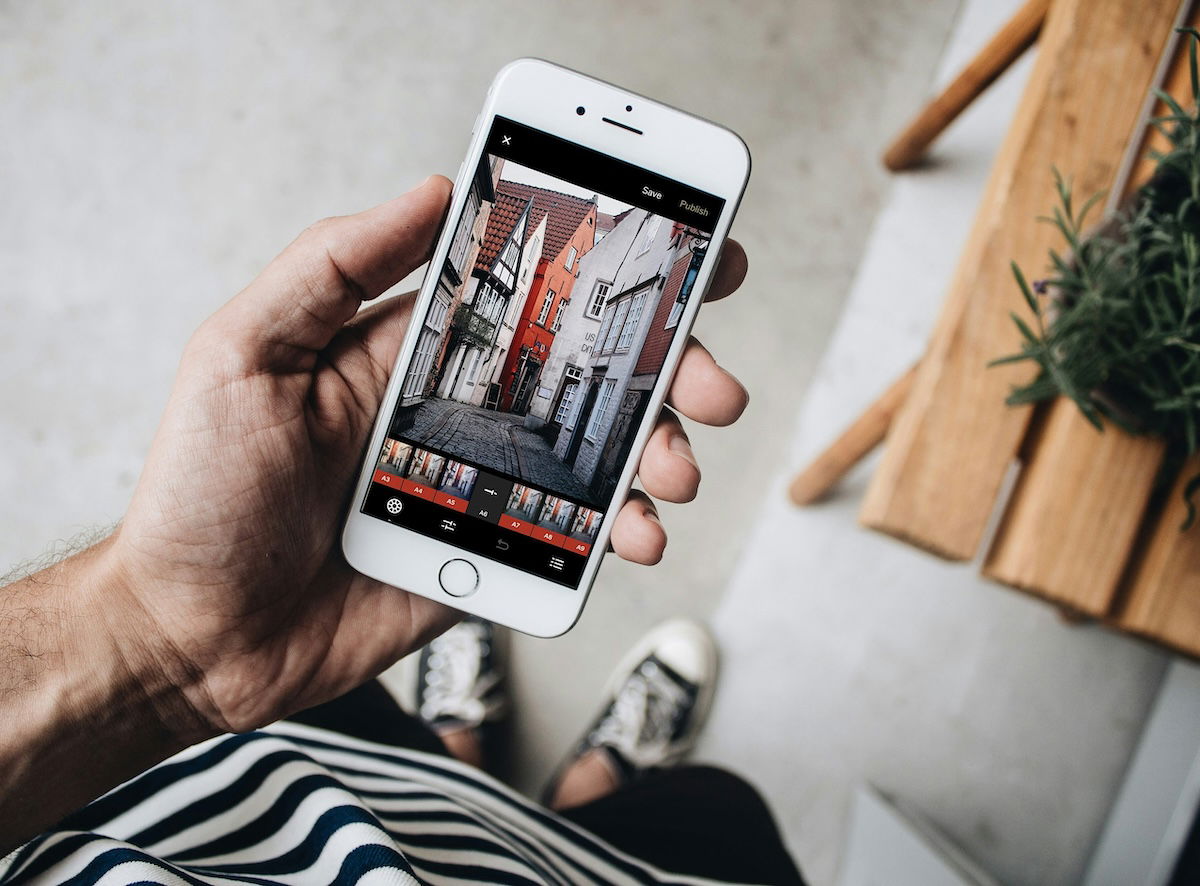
[535,361]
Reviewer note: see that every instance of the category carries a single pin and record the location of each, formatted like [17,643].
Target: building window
[599,296]
[436,317]
[685,290]
[637,303]
[605,325]
[422,362]
[473,369]
[676,313]
[619,314]
[571,258]
[568,411]
[545,312]
[600,414]
[564,405]
[462,240]
[558,312]
[532,255]
[509,261]
[649,232]
[568,406]
[427,343]
[487,304]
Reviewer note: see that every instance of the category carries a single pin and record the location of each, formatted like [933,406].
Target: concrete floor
[156,156]
[851,658]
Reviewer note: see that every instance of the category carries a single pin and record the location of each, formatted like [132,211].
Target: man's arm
[85,703]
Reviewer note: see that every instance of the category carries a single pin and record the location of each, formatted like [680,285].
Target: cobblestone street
[495,441]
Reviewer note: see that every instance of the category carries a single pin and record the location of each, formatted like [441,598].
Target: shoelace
[454,685]
[641,721]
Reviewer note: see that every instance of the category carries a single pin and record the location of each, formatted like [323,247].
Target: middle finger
[668,468]
[705,392]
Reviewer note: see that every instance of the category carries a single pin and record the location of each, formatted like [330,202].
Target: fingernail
[424,183]
[651,515]
[680,446]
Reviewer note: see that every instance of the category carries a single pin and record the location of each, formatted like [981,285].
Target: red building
[570,233]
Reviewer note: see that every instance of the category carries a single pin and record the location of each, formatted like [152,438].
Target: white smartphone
[584,228]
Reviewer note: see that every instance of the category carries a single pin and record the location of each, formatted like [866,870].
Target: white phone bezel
[673,144]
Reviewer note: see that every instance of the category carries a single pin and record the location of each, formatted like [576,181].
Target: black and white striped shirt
[296,804]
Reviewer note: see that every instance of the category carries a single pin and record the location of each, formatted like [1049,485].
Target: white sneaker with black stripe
[655,703]
[459,681]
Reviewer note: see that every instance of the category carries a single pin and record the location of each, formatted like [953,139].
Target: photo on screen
[551,320]
[426,468]
[585,525]
[394,458]
[459,479]
[556,514]
[524,503]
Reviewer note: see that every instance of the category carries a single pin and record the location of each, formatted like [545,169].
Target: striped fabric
[295,804]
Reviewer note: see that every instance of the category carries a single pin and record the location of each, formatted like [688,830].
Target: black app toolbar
[477,530]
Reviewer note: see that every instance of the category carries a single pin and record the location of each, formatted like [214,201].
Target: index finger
[730,272]
[306,295]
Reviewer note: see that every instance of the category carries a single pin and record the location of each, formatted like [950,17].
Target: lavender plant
[1116,324]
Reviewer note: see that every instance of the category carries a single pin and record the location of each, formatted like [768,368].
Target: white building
[576,326]
[428,357]
[599,431]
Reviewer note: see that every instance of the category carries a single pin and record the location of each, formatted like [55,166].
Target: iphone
[584,228]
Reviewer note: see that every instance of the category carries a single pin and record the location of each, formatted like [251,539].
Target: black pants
[695,820]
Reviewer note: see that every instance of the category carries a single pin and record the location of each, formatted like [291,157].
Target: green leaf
[1030,298]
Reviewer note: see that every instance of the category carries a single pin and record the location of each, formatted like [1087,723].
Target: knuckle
[225,352]
[320,230]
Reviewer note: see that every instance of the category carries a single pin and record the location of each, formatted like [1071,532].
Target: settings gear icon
[394,506]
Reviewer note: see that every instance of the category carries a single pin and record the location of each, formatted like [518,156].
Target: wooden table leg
[867,432]
[1017,35]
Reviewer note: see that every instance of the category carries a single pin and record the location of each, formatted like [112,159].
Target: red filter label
[520,526]
[450,501]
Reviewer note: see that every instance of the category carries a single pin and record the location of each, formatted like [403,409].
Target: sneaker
[656,702]
[459,683]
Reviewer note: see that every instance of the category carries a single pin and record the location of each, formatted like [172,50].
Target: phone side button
[458,578]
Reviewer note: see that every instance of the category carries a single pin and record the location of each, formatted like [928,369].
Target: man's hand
[223,601]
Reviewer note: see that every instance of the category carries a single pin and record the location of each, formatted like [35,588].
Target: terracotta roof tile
[505,213]
[564,213]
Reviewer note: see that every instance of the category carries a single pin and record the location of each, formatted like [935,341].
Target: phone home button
[458,578]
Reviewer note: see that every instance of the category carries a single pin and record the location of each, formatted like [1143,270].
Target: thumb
[309,292]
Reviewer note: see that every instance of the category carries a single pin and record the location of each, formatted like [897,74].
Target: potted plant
[1116,325]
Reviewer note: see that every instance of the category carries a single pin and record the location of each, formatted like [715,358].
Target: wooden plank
[1010,42]
[952,442]
[1075,511]
[1163,600]
[1177,84]
[868,430]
